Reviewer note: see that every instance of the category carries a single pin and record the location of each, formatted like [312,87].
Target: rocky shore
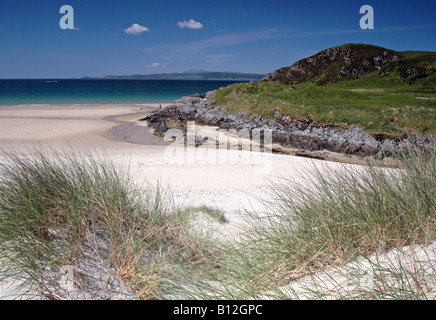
[286,130]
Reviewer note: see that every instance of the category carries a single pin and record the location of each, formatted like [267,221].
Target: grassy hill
[379,90]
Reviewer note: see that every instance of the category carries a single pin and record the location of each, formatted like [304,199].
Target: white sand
[398,268]
[231,187]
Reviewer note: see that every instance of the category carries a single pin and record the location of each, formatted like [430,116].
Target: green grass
[378,105]
[212,212]
[159,134]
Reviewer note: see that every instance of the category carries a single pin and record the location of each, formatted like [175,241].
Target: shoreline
[113,126]
[55,125]
[86,105]
[107,128]
[233,188]
[230,186]
[234,185]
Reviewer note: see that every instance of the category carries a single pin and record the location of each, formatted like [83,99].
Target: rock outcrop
[286,130]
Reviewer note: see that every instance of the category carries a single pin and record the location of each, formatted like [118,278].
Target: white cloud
[136,29]
[191,24]
[156,65]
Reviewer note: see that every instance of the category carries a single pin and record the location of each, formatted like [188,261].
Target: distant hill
[190,75]
[194,71]
[355,61]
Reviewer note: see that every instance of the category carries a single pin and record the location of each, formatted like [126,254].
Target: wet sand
[55,125]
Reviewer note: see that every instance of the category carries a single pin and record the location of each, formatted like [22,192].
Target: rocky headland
[287,131]
[346,63]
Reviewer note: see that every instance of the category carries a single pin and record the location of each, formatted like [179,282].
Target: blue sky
[246,36]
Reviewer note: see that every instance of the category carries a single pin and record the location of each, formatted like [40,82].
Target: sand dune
[233,187]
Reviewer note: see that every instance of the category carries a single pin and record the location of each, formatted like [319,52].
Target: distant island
[189,75]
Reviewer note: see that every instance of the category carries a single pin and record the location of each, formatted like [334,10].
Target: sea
[46,92]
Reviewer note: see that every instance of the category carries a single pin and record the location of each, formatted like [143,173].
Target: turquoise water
[52,92]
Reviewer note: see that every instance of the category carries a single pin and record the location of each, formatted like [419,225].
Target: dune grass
[213,212]
[79,211]
[339,224]
[79,217]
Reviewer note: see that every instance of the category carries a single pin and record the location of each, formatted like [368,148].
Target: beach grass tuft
[321,240]
[74,225]
[213,212]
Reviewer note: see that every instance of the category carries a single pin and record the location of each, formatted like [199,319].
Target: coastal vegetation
[325,239]
[384,92]
[80,212]
[75,224]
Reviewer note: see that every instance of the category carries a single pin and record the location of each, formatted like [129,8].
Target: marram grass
[72,209]
[62,210]
[339,225]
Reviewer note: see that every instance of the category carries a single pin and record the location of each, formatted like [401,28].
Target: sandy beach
[225,151]
[116,129]
[55,125]
[238,184]
[236,187]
